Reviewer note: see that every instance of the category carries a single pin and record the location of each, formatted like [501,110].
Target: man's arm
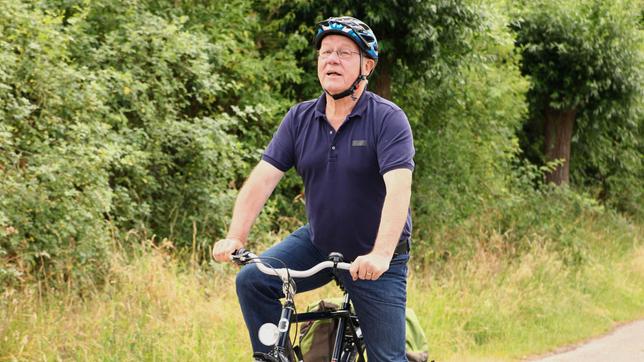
[393,218]
[252,197]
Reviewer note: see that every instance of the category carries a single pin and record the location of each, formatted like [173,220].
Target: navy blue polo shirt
[342,171]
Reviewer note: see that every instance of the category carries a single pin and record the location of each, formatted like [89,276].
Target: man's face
[335,73]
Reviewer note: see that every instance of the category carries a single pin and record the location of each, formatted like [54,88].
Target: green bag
[416,346]
[317,337]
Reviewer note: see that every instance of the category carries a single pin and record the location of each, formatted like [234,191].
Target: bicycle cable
[292,295]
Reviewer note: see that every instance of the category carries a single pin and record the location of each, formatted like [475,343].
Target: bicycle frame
[343,345]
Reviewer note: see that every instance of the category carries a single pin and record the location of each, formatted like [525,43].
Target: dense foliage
[585,57]
[130,119]
[119,120]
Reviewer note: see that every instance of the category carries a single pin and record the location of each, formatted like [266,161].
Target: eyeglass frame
[343,54]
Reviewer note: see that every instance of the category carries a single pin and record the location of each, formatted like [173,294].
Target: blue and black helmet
[352,28]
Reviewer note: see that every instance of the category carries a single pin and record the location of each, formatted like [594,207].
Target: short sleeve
[280,151]
[395,147]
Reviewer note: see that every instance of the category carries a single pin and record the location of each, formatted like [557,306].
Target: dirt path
[624,344]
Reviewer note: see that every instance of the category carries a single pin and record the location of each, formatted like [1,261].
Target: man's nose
[334,57]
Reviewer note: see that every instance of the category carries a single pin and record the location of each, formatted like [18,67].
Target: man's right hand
[223,249]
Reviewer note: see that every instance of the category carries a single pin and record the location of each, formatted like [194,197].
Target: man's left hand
[369,267]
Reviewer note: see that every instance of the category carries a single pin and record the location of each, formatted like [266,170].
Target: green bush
[54,184]
[175,156]
[116,118]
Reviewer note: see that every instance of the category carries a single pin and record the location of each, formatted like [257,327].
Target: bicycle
[349,343]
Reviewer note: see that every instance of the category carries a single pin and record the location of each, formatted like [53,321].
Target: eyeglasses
[344,54]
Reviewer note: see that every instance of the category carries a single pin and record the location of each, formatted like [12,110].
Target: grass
[487,306]
[500,313]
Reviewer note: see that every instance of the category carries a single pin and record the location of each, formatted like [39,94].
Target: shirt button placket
[333,136]
[332,153]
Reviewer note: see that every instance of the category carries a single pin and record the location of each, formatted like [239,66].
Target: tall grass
[491,309]
[152,309]
[489,304]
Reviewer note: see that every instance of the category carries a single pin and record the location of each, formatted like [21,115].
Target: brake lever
[241,256]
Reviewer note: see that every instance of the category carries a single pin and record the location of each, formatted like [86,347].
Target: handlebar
[243,257]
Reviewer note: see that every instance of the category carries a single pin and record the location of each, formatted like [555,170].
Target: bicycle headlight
[268,334]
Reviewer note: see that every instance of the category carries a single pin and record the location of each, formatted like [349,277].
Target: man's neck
[341,108]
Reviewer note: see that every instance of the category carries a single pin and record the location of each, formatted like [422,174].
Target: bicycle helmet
[357,31]
[352,28]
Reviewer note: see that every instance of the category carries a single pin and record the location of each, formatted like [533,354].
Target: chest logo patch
[358,143]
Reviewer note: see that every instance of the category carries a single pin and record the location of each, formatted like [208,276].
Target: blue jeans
[379,304]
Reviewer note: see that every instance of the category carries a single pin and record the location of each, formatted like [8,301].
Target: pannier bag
[317,337]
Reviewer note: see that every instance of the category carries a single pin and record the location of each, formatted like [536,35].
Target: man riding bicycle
[354,151]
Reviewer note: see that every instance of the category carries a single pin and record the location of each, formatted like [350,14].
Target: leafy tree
[582,58]
[411,34]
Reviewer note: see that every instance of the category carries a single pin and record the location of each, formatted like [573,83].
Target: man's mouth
[333,73]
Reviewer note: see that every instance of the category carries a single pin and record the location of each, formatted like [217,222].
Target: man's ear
[370,64]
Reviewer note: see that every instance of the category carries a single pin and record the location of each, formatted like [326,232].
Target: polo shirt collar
[320,106]
[358,110]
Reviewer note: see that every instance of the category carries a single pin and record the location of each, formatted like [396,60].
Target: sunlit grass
[494,308]
[151,310]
